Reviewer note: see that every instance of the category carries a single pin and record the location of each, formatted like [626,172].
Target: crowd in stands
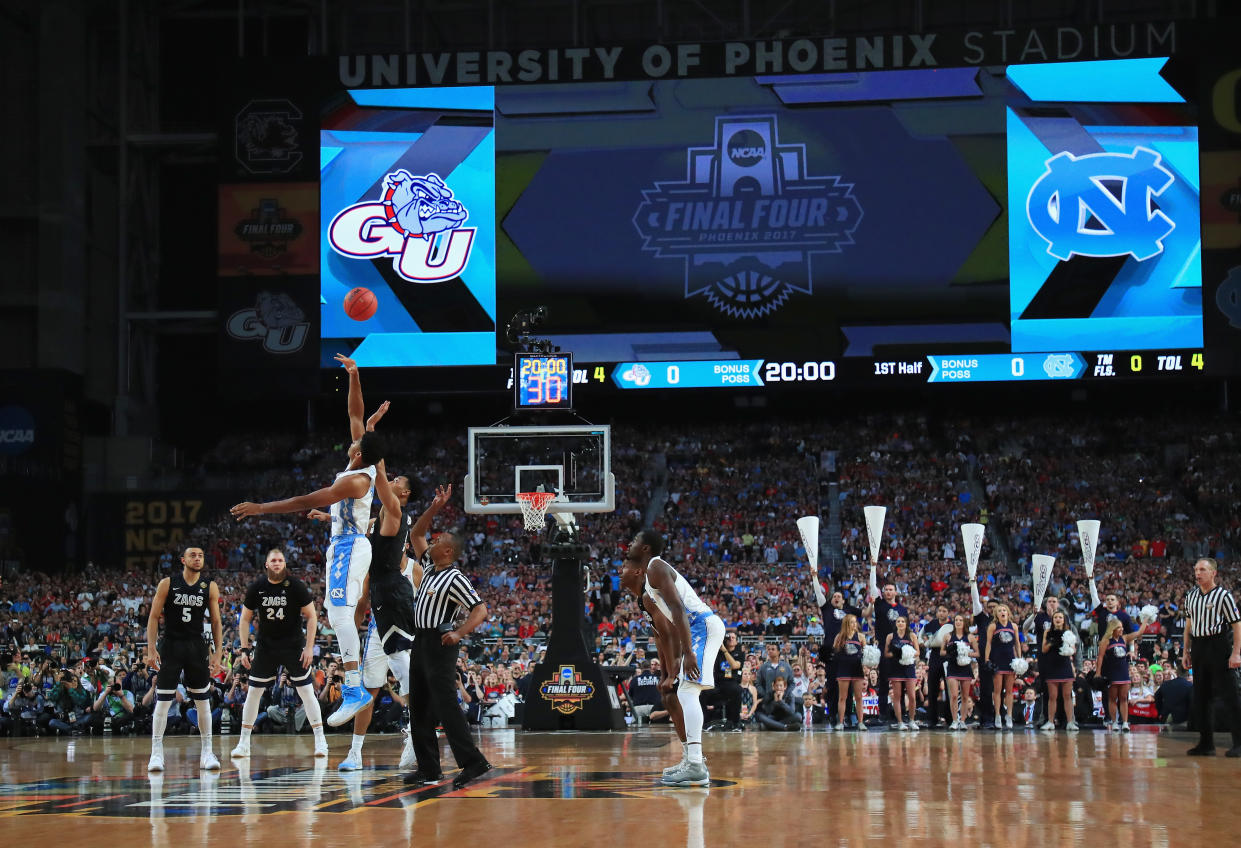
[726,496]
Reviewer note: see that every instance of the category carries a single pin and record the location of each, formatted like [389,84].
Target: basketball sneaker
[1048,725]
[1008,722]
[242,750]
[1072,725]
[1125,727]
[690,774]
[353,762]
[156,763]
[684,762]
[408,760]
[208,761]
[913,726]
[355,699]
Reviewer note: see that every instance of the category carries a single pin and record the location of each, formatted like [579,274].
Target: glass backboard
[575,461]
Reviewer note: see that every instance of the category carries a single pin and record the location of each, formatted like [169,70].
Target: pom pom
[1019,666]
[1149,614]
[1068,644]
[908,655]
[870,657]
[963,654]
[940,637]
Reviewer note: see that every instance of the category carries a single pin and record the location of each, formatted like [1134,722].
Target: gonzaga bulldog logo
[417,221]
[1101,204]
[747,218]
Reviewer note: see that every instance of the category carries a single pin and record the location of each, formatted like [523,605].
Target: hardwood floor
[568,789]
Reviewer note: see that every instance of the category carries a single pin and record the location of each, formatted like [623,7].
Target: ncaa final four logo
[747,218]
[416,220]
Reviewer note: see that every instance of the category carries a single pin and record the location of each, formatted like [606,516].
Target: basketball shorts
[706,634]
[392,605]
[270,656]
[348,561]
[183,655]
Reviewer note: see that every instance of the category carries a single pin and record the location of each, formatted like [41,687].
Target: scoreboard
[1019,222]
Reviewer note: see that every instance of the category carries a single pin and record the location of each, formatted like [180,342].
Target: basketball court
[979,788]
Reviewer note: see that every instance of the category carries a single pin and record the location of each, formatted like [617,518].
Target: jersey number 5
[185,614]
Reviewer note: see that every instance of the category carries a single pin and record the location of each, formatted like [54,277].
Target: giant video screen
[948,225]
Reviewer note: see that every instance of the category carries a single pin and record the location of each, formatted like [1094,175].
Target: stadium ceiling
[379,26]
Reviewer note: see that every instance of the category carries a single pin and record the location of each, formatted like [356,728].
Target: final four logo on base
[416,220]
[747,218]
[567,690]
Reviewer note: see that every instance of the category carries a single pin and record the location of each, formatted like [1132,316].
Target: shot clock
[543,381]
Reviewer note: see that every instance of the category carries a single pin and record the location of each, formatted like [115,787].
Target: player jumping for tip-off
[349,553]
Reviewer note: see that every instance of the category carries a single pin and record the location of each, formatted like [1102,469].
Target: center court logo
[567,690]
[747,218]
[1101,205]
[416,220]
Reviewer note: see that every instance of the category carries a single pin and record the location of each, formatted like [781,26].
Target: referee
[443,595]
[1210,612]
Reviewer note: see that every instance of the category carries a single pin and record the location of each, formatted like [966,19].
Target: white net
[534,508]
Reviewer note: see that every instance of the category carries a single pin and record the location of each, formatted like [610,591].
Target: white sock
[311,704]
[159,723]
[694,749]
[353,678]
[356,747]
[691,710]
[204,722]
[250,711]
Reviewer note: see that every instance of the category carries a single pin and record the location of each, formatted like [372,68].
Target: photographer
[389,706]
[23,708]
[116,702]
[284,706]
[139,682]
[71,706]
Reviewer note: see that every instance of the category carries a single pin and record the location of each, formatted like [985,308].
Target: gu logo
[416,220]
[1101,204]
[265,138]
[275,319]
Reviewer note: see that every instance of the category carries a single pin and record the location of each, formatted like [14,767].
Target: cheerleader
[1002,646]
[1056,668]
[956,647]
[847,650]
[1115,670]
[902,677]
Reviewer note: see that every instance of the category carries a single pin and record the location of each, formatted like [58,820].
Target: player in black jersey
[280,602]
[389,636]
[183,599]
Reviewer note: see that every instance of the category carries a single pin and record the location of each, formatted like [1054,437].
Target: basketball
[361,303]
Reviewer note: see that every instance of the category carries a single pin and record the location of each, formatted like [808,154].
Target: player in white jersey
[349,553]
[697,636]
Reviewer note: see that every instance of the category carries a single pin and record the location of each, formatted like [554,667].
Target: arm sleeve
[819,597]
[974,597]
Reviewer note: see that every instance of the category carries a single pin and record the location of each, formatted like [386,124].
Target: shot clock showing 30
[543,381]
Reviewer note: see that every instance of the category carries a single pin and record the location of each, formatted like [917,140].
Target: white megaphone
[874,529]
[1088,536]
[973,535]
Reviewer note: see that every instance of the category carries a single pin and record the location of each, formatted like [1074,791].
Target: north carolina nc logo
[747,218]
[416,220]
[1101,204]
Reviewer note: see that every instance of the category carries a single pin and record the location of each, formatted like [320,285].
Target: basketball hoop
[534,508]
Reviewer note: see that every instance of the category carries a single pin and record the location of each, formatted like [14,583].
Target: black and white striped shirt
[442,596]
[1212,612]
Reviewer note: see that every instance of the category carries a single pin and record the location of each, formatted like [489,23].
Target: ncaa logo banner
[1104,210]
[747,218]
